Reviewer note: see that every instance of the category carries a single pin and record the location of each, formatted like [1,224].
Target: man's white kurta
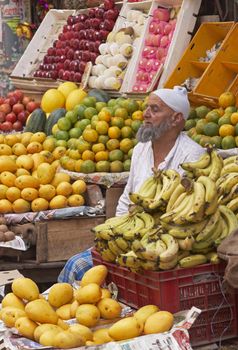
[184,150]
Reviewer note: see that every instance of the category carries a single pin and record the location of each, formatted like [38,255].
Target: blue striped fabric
[76,266]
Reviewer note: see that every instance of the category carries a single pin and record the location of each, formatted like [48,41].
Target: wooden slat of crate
[61,239]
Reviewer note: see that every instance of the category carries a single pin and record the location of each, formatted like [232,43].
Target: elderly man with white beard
[162,144]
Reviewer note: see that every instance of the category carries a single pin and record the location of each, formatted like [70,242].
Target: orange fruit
[113,144]
[138,115]
[126,145]
[21,206]
[67,163]
[5,206]
[228,142]
[114,132]
[64,188]
[79,187]
[47,191]
[13,193]
[234,118]
[29,194]
[121,113]
[103,139]
[226,130]
[77,165]
[7,178]
[126,132]
[116,166]
[87,166]
[117,121]
[86,155]
[74,154]
[39,204]
[75,200]
[102,127]
[104,115]
[102,155]
[227,99]
[98,147]
[128,122]
[90,135]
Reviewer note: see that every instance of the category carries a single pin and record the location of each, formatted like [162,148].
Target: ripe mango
[84,331]
[66,340]
[11,299]
[159,322]
[25,288]
[73,308]
[96,274]
[101,336]
[40,311]
[126,328]
[109,308]
[47,338]
[88,315]
[44,328]
[10,315]
[62,324]
[89,294]
[60,294]
[45,173]
[105,293]
[64,312]
[145,311]
[26,327]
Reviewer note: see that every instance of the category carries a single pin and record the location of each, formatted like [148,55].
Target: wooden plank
[41,242]
[61,239]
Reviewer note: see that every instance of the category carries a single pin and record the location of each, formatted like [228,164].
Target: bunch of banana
[156,191]
[210,164]
[192,206]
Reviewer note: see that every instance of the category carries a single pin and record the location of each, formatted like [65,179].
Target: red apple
[65,65]
[111,14]
[93,56]
[109,24]
[71,20]
[22,116]
[54,74]
[95,22]
[87,23]
[17,125]
[73,66]
[77,77]
[70,54]
[66,75]
[86,56]
[108,4]
[82,65]
[11,117]
[104,34]
[5,108]
[18,107]
[78,26]
[99,12]
[2,117]
[6,126]
[81,18]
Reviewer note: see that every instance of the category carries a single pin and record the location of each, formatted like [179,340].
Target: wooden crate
[60,239]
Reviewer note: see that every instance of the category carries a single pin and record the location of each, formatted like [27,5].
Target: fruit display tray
[191,65]
[180,289]
[181,37]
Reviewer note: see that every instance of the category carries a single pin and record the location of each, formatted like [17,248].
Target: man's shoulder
[140,147]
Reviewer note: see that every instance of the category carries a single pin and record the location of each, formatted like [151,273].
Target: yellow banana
[122,243]
[210,194]
[114,248]
[107,255]
[203,172]
[186,244]
[183,254]
[128,260]
[201,163]
[208,229]
[169,264]
[169,217]
[137,225]
[229,217]
[213,257]
[233,205]
[149,265]
[228,183]
[183,231]
[230,168]
[172,248]
[148,188]
[176,193]
[193,260]
[225,198]
[232,159]
[217,164]
[197,212]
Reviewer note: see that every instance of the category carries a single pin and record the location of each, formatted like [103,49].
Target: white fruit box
[184,27]
[44,37]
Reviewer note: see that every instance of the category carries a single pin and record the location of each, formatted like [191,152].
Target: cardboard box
[112,197]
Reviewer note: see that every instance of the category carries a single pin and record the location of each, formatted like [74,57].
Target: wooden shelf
[233,66]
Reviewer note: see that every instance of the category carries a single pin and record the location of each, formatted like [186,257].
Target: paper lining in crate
[114,62]
[177,338]
[180,38]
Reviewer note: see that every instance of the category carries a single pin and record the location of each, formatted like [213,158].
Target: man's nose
[146,113]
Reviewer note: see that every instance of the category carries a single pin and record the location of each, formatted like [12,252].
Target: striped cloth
[76,267]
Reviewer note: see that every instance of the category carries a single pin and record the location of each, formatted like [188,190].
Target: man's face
[157,120]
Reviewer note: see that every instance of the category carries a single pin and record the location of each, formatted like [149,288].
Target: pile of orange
[99,137]
[218,127]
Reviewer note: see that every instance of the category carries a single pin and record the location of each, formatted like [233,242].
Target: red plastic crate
[180,289]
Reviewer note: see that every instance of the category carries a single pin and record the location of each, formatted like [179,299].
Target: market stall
[68,132]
